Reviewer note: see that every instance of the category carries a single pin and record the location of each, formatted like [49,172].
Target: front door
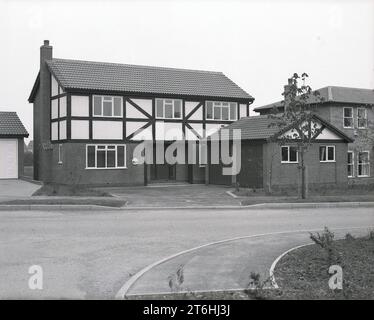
[163,172]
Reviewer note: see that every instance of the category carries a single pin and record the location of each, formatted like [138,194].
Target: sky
[258,44]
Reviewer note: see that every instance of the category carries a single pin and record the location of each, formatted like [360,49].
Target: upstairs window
[289,154]
[361,118]
[105,156]
[350,164]
[327,153]
[363,164]
[107,106]
[348,117]
[216,110]
[168,109]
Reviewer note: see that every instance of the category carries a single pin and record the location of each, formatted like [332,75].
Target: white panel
[54,109]
[62,130]
[189,106]
[145,104]
[54,86]
[243,110]
[63,107]
[132,112]
[198,127]
[80,106]
[212,128]
[145,134]
[169,131]
[79,129]
[107,129]
[327,134]
[8,159]
[131,127]
[54,131]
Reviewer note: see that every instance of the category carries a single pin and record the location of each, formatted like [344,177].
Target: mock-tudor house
[270,164]
[351,111]
[90,116]
[12,133]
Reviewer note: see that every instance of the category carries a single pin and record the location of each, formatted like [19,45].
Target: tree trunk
[303,180]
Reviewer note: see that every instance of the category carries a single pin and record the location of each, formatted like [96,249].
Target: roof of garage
[11,125]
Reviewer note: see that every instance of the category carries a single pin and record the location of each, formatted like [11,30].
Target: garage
[12,133]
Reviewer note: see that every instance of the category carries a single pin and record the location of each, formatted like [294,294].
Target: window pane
[225,113]
[284,153]
[101,159]
[322,153]
[217,113]
[363,157]
[97,106]
[111,161]
[331,155]
[91,156]
[54,109]
[120,156]
[63,107]
[209,110]
[159,108]
[168,110]
[293,154]
[350,170]
[348,112]
[350,157]
[177,109]
[348,122]
[232,111]
[117,107]
[107,108]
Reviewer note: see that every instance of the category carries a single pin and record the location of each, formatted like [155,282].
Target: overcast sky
[258,44]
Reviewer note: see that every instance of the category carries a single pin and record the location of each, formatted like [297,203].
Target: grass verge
[68,191]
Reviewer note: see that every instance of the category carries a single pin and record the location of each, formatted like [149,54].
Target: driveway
[92,254]
[12,188]
[176,195]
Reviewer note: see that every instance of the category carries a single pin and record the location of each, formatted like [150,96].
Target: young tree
[296,121]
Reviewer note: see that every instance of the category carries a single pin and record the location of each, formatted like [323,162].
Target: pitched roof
[260,128]
[336,94]
[75,74]
[11,125]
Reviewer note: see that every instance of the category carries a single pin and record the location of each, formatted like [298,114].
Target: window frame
[220,105]
[351,164]
[106,158]
[288,154]
[366,118]
[102,106]
[366,163]
[327,153]
[352,117]
[173,109]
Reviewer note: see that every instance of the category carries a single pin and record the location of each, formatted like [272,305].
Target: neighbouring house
[266,163]
[89,117]
[351,110]
[12,133]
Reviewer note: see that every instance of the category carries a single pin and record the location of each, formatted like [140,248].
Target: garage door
[8,159]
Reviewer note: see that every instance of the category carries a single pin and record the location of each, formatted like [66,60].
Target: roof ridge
[135,65]
[343,87]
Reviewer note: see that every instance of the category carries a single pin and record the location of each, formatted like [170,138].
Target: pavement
[92,254]
[14,189]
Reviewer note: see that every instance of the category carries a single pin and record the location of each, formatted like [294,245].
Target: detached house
[89,117]
[351,111]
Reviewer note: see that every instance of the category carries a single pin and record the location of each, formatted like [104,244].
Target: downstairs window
[102,156]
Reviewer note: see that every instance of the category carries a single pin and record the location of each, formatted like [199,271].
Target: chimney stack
[288,92]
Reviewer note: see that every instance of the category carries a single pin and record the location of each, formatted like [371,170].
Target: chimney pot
[46,42]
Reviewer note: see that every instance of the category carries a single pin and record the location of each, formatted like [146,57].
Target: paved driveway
[177,195]
[92,254]
[12,188]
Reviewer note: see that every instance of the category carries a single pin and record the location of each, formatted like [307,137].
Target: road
[92,254]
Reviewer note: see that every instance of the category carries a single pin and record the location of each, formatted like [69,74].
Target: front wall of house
[278,175]
[334,114]
[73,170]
